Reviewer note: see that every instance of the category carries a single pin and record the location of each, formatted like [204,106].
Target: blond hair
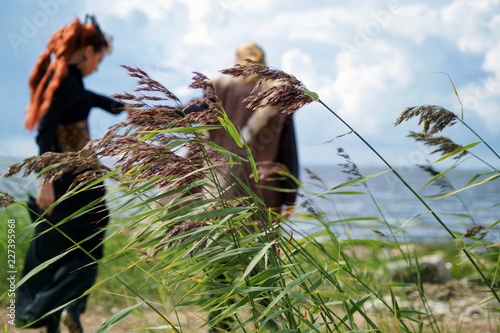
[252,51]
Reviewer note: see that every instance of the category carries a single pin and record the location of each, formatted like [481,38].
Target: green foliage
[232,262]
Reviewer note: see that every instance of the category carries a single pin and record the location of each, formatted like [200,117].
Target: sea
[384,208]
[379,208]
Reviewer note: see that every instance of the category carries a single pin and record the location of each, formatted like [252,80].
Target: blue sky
[367,60]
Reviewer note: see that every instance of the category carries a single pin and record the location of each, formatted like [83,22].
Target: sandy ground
[96,315]
[454,305]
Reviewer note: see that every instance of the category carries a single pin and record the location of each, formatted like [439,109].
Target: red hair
[48,73]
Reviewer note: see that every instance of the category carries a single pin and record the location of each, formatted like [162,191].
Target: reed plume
[446,146]
[6,200]
[349,166]
[84,166]
[212,103]
[141,156]
[275,88]
[140,160]
[313,175]
[441,182]
[146,83]
[433,118]
[472,232]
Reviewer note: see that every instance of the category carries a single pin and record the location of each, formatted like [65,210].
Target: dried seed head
[60,163]
[210,99]
[433,118]
[349,167]
[446,146]
[286,98]
[312,175]
[6,200]
[202,118]
[29,163]
[141,156]
[146,83]
[144,160]
[262,71]
[380,233]
[276,88]
[442,182]
[157,118]
[471,232]
[201,81]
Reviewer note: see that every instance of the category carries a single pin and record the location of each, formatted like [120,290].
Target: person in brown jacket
[269,133]
[270,136]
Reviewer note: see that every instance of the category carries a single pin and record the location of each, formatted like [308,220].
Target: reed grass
[203,261]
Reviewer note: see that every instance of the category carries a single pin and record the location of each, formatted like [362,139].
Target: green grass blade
[116,318]
[406,222]
[483,181]
[255,260]
[457,151]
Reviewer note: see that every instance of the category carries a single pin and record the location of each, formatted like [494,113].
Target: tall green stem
[479,137]
[392,169]
[416,195]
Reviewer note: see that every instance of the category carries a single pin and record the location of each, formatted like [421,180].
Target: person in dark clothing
[59,108]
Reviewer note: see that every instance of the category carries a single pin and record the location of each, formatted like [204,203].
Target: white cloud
[468,22]
[491,60]
[481,99]
[321,25]
[367,61]
[416,21]
[301,64]
[198,10]
[369,86]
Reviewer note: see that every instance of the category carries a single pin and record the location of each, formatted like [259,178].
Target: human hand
[45,197]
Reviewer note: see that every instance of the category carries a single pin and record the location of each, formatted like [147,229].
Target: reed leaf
[480,182]
[457,151]
[408,221]
[106,326]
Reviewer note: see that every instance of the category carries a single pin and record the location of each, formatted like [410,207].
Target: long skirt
[67,279]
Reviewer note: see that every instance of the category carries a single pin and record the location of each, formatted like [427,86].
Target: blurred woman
[59,108]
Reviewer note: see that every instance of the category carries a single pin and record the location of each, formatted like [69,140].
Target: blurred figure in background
[269,133]
[59,108]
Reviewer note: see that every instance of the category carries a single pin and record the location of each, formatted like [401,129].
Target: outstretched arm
[106,103]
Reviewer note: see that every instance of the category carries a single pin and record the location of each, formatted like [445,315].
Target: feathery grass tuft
[433,118]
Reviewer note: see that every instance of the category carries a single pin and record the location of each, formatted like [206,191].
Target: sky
[367,60]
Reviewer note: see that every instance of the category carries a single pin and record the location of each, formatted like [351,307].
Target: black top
[70,104]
